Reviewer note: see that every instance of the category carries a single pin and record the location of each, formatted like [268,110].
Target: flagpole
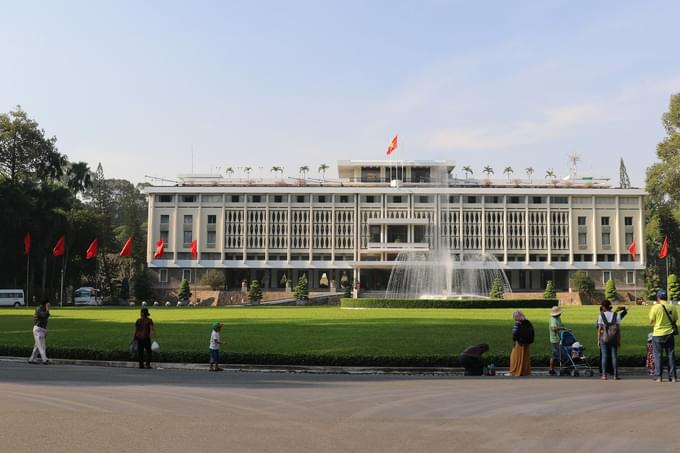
[61,286]
[28,260]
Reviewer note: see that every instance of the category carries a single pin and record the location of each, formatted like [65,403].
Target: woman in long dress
[522,336]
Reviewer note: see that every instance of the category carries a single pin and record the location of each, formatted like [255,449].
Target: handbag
[674,325]
[133,349]
[155,347]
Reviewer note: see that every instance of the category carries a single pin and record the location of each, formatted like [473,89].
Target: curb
[245,368]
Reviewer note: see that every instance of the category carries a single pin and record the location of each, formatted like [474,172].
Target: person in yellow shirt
[663,316]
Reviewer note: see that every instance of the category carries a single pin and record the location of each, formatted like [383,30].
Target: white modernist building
[356,225]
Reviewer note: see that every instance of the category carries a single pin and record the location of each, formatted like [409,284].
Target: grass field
[311,335]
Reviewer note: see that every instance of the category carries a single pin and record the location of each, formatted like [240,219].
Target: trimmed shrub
[610,290]
[301,291]
[450,303]
[673,288]
[497,291]
[184,292]
[549,292]
[255,292]
[652,282]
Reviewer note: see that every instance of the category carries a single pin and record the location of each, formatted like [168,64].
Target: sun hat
[216,324]
[576,345]
[145,311]
[556,311]
[661,294]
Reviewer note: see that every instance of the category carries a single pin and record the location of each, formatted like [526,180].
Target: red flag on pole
[91,250]
[127,248]
[393,145]
[27,244]
[632,250]
[664,248]
[194,248]
[58,249]
[159,249]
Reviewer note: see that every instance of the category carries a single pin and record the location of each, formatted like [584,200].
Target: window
[211,238]
[186,275]
[538,200]
[396,199]
[187,238]
[163,276]
[630,277]
[423,199]
[321,199]
[581,220]
[454,199]
[255,198]
[604,221]
[188,219]
[165,198]
[165,219]
[516,200]
[188,198]
[559,200]
[606,239]
[235,198]
[344,199]
[299,198]
[472,199]
[582,239]
[212,219]
[629,238]
[278,198]
[374,233]
[606,276]
[164,237]
[211,198]
[628,221]
[493,199]
[370,199]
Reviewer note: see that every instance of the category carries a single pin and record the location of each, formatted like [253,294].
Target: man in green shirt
[663,317]
[555,327]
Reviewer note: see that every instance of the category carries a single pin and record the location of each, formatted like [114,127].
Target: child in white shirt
[215,342]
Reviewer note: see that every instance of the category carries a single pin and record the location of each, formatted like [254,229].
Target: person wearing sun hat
[555,327]
[664,317]
[215,342]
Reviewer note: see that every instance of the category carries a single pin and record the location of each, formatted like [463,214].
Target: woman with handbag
[144,328]
[664,317]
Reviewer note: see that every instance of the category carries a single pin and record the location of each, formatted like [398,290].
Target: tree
[255,292]
[663,177]
[583,283]
[652,282]
[303,171]
[497,289]
[508,171]
[610,290]
[673,288]
[184,293]
[214,279]
[301,291]
[488,170]
[550,174]
[141,286]
[229,171]
[78,177]
[276,169]
[247,171]
[322,169]
[283,281]
[529,171]
[549,292]
[468,171]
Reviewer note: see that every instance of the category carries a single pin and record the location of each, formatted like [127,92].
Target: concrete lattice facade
[356,226]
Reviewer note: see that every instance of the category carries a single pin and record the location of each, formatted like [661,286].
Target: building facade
[275,230]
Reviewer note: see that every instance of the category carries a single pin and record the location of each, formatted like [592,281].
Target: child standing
[215,342]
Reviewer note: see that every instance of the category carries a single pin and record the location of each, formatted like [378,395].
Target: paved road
[94,409]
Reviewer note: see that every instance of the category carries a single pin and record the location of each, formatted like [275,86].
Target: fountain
[444,274]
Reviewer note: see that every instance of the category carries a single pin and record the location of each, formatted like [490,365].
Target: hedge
[448,303]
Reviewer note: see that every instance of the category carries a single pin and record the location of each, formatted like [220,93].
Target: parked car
[87,296]
[12,297]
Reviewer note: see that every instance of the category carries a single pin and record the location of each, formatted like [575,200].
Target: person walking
[215,343]
[664,317]
[144,328]
[40,318]
[555,326]
[608,339]
[522,336]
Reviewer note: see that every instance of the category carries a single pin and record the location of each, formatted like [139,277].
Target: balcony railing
[398,245]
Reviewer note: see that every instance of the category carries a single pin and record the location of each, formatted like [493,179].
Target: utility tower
[573,160]
[624,180]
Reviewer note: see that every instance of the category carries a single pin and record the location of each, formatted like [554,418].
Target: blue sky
[138,85]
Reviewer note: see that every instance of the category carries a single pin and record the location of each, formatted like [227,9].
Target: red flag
[127,248]
[91,250]
[632,250]
[393,145]
[27,244]
[194,248]
[58,249]
[664,249]
[159,249]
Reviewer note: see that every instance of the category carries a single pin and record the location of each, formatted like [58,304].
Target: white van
[12,297]
[86,296]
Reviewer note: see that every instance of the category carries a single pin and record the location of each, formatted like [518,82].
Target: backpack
[611,330]
[525,335]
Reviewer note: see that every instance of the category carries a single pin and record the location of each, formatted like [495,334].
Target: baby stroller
[573,360]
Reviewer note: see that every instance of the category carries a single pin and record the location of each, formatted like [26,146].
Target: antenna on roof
[573,160]
[624,180]
[157,179]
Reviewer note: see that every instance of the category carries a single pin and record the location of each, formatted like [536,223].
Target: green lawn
[311,335]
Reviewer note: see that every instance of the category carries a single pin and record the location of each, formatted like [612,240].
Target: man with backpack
[608,338]
[522,336]
[664,318]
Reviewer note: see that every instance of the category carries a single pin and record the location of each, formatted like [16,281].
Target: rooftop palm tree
[247,171]
[550,174]
[322,170]
[276,169]
[508,171]
[468,171]
[488,170]
[529,171]
[229,171]
[303,171]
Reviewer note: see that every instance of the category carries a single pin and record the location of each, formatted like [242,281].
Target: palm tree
[276,169]
[229,171]
[550,174]
[303,171]
[78,177]
[468,171]
[529,171]
[247,171]
[322,170]
[508,171]
[488,170]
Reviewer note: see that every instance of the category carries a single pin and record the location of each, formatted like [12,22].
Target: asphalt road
[59,408]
